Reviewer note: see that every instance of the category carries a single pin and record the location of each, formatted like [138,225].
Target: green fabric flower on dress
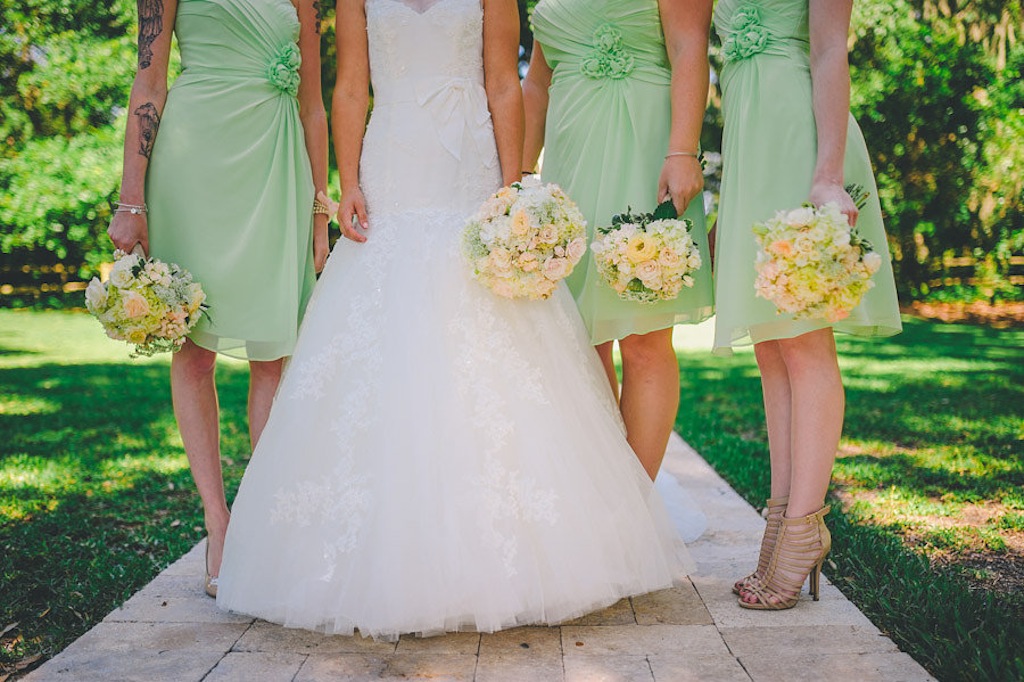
[284,69]
[749,36]
[608,59]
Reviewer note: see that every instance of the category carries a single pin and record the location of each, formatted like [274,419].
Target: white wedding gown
[438,458]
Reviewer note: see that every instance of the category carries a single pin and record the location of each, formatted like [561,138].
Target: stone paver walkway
[171,632]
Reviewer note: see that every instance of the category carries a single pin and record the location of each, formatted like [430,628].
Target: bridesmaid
[227,190]
[615,95]
[789,138]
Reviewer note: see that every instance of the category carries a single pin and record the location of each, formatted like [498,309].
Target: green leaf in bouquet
[666,211]
[860,242]
[858,194]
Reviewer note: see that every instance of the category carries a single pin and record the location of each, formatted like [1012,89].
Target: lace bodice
[430,137]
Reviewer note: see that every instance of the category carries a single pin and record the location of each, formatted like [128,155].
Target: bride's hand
[681,180]
[353,205]
[128,229]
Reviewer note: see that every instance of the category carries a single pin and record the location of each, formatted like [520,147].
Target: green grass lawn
[928,523]
[96,496]
[95,491]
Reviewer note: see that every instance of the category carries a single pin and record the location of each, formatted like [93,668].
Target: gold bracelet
[320,208]
[323,205]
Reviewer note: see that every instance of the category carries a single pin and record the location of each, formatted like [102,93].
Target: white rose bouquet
[812,264]
[146,302]
[525,239]
[647,257]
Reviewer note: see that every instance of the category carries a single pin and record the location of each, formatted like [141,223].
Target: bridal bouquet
[647,257]
[525,239]
[812,264]
[146,302]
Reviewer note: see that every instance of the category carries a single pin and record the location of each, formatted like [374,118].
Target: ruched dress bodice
[608,123]
[769,151]
[229,185]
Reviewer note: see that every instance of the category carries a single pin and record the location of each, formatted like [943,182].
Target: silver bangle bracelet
[134,209]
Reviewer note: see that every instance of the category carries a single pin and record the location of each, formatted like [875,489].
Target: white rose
[120,278]
[627,230]
[95,295]
[800,216]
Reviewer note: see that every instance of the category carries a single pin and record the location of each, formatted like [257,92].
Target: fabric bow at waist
[458,106]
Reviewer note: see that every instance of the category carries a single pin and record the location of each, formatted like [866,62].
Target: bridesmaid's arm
[535,101]
[314,118]
[348,112]
[830,85]
[501,79]
[686,24]
[145,107]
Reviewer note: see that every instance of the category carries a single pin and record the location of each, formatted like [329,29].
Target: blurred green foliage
[936,87]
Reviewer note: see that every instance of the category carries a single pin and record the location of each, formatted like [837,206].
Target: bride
[437,458]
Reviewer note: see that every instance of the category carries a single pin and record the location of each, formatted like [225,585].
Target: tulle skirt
[439,458]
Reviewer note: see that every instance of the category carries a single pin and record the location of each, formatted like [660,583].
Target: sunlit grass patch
[22,405]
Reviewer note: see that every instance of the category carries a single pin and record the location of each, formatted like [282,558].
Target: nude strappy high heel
[801,548]
[776,508]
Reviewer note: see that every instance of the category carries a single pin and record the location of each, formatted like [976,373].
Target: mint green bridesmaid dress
[769,150]
[608,123]
[229,186]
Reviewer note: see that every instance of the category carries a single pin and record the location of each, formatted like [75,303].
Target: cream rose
[575,249]
[528,261]
[135,305]
[648,271]
[557,268]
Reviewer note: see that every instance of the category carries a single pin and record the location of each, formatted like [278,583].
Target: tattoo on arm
[149,123]
[319,14]
[151,25]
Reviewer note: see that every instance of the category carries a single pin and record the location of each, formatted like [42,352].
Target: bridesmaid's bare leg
[650,394]
[817,417]
[264,376]
[604,351]
[778,412]
[195,406]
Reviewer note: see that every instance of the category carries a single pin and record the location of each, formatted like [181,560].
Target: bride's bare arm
[501,79]
[145,107]
[535,101]
[348,111]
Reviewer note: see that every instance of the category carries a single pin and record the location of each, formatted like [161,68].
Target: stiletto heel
[815,583]
[800,552]
[211,581]
[776,508]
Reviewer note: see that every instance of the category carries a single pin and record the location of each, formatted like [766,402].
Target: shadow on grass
[95,493]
